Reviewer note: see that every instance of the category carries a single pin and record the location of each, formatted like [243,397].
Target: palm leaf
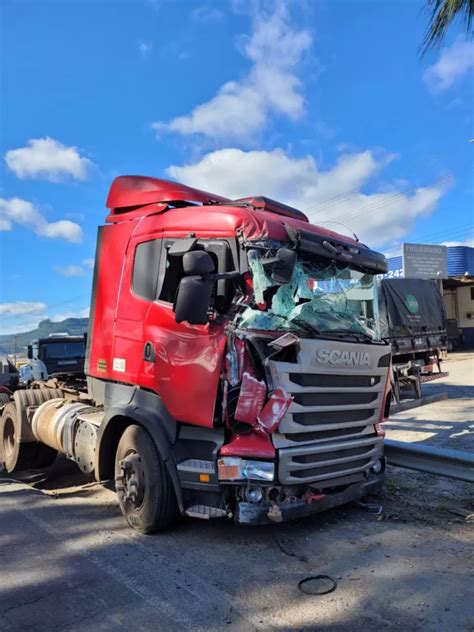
[442,13]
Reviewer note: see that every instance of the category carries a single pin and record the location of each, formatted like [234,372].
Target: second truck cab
[56,354]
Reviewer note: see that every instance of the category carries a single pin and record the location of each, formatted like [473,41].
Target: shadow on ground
[69,562]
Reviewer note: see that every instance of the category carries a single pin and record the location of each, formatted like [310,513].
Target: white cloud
[21,308]
[206,13]
[332,195]
[64,229]
[82,313]
[241,109]
[241,173]
[46,158]
[453,63]
[22,316]
[75,270]
[18,327]
[144,48]
[70,270]
[466,242]
[18,211]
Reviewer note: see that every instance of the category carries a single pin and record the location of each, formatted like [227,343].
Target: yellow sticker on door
[119,364]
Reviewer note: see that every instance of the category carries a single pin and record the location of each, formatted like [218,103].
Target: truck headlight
[233,468]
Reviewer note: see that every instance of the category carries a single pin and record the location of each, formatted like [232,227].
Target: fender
[125,405]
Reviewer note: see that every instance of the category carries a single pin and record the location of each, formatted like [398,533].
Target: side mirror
[193,300]
[197,262]
[281,266]
[29,352]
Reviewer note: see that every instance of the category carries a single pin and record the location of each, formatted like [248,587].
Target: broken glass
[320,297]
[261,281]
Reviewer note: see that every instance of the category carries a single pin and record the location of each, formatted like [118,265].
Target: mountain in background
[73,326]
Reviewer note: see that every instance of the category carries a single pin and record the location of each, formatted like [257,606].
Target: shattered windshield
[323,297]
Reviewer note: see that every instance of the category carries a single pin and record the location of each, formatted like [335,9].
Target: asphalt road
[69,562]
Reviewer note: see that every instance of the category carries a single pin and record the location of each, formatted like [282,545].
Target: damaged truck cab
[234,362]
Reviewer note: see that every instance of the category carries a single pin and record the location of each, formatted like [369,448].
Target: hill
[74,326]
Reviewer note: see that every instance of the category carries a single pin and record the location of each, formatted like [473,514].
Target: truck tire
[4,399]
[44,457]
[27,397]
[143,485]
[14,455]
[17,455]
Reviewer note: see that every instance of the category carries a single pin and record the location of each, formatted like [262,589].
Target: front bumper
[269,513]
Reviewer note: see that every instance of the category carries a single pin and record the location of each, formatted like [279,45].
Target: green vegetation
[73,326]
[442,14]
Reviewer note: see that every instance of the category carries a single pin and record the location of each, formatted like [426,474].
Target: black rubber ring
[307,591]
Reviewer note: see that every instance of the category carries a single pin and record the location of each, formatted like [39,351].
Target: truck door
[181,362]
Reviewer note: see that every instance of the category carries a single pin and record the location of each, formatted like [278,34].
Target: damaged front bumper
[267,513]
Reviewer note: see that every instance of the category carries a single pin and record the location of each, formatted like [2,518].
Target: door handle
[149,352]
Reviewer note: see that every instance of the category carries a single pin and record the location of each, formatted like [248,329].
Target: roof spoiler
[129,192]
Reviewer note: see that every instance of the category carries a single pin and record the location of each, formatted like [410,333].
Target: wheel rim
[130,483]
[9,437]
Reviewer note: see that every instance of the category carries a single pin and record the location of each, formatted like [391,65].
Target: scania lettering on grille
[335,356]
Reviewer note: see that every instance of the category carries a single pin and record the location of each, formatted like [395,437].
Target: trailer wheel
[144,488]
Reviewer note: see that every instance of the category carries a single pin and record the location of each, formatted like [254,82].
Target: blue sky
[324,105]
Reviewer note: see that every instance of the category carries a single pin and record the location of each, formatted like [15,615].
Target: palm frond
[442,13]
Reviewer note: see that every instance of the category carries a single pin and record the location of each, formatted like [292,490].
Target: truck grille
[312,464]
[328,431]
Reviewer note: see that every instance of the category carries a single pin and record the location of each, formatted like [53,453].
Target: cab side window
[146,269]
[171,271]
[157,272]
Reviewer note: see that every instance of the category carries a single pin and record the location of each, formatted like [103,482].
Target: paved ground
[68,562]
[449,422]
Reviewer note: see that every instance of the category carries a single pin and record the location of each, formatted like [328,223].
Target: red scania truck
[234,363]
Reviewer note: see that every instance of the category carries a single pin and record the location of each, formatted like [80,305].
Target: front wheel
[143,484]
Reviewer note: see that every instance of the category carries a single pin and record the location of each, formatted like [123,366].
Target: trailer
[413,320]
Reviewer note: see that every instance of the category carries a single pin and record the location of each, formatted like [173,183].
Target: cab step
[205,512]
[197,466]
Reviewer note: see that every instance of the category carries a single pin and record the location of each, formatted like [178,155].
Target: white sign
[119,364]
[425,261]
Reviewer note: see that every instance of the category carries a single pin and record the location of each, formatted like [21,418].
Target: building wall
[465,306]
[459,304]
[450,299]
